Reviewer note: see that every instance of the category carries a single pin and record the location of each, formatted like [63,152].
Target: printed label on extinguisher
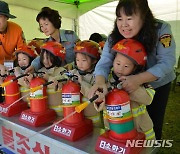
[37,93]
[118,111]
[70,99]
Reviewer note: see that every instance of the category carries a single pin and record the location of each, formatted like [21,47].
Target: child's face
[23,60]
[46,60]
[122,65]
[83,62]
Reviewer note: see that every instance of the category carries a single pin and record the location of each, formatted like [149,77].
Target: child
[86,56]
[52,56]
[24,57]
[130,59]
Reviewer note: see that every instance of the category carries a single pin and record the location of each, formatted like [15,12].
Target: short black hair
[56,61]
[52,15]
[96,37]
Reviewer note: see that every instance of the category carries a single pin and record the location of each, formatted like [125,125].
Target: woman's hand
[101,86]
[130,83]
[99,106]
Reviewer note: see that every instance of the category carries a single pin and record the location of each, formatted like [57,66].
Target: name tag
[9,64]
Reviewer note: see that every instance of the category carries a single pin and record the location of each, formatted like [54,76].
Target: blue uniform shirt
[160,62]
[68,39]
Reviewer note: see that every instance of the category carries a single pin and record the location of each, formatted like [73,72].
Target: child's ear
[135,68]
[94,61]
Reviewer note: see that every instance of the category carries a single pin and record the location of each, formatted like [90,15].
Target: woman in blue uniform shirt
[134,19]
[50,23]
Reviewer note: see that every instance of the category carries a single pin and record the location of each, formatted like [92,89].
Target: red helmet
[55,48]
[26,50]
[131,49]
[36,44]
[89,48]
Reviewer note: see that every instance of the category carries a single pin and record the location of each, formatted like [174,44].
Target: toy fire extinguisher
[38,99]
[12,106]
[11,91]
[119,115]
[76,125]
[39,113]
[71,97]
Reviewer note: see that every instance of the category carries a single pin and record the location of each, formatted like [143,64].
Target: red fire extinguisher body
[71,97]
[12,90]
[119,115]
[38,99]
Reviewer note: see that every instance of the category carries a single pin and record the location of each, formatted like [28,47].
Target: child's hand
[45,76]
[79,78]
[3,69]
[69,66]
[27,79]
[30,69]
[54,85]
[1,80]
[17,71]
[60,84]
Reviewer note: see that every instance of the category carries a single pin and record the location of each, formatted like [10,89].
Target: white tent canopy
[85,19]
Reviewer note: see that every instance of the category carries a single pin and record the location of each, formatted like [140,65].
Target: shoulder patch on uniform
[69,32]
[165,39]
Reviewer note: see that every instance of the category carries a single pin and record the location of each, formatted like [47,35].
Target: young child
[86,56]
[130,59]
[24,57]
[51,57]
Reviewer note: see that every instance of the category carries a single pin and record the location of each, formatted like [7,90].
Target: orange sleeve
[10,41]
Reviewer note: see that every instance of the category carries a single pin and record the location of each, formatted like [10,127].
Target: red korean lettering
[37,148]
[7,135]
[22,142]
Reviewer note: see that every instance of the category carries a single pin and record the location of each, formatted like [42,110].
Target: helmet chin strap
[49,67]
[24,67]
[84,72]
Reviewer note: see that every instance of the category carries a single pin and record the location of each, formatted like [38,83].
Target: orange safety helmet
[36,44]
[89,48]
[55,48]
[132,49]
[102,44]
[26,50]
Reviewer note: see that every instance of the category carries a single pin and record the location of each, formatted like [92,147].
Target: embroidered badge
[79,47]
[165,40]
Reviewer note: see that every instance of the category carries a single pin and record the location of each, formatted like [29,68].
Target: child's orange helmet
[89,48]
[26,50]
[132,49]
[55,48]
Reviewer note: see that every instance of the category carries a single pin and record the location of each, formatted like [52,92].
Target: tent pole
[75,28]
